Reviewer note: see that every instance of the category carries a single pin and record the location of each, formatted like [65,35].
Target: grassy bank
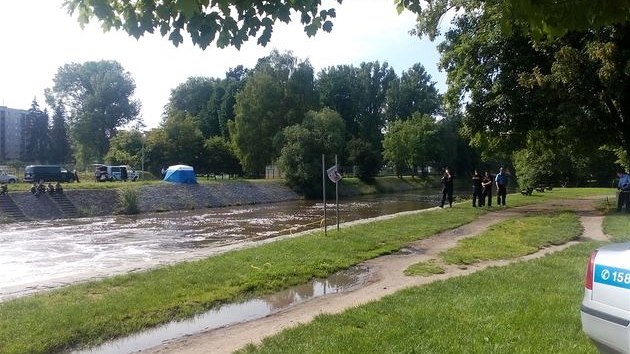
[348,186]
[527,307]
[93,312]
[389,184]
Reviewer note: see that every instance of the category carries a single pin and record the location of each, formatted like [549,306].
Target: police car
[605,308]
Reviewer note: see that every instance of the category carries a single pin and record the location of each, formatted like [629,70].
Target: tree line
[538,88]
[279,112]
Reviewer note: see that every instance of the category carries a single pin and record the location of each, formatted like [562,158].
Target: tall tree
[320,133]
[484,67]
[156,144]
[60,146]
[126,148]
[413,92]
[35,135]
[359,94]
[258,120]
[339,90]
[183,142]
[97,99]
[197,98]
[233,83]
[513,85]
[365,150]
[278,93]
[221,157]
[412,143]
[591,77]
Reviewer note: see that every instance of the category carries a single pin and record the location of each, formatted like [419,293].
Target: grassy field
[527,307]
[94,312]
[515,237]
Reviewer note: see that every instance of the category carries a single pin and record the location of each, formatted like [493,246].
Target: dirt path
[388,278]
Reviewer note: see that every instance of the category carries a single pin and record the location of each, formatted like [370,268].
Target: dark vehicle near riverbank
[47,173]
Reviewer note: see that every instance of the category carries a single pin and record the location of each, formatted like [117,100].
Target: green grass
[617,225]
[515,237]
[527,307]
[518,199]
[91,313]
[424,269]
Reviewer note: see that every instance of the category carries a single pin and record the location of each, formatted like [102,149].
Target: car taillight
[588,278]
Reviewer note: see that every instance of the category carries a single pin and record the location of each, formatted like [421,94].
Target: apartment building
[11,127]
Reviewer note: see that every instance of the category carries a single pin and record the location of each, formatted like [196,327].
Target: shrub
[127,201]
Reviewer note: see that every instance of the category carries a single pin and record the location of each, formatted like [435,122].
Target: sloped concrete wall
[155,198]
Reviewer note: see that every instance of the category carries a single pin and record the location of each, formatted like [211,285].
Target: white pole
[337,192]
[324,190]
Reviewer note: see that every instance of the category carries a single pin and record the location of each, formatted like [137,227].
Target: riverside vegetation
[90,313]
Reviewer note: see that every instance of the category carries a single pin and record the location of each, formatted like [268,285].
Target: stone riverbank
[150,198]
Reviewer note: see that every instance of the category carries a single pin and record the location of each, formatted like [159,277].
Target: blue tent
[180,174]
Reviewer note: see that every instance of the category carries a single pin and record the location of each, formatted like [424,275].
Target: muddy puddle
[231,314]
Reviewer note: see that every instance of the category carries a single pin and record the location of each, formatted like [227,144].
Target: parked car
[7,178]
[115,173]
[118,172]
[605,308]
[133,174]
[48,173]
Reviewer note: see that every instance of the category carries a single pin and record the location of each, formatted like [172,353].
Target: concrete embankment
[160,197]
[150,198]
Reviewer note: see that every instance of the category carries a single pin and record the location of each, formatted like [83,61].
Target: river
[36,256]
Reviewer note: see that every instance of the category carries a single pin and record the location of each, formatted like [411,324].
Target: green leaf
[188,7]
[176,37]
[327,26]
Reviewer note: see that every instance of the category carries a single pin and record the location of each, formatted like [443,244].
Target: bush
[128,201]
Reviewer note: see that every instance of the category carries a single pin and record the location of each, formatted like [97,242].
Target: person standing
[486,189]
[477,195]
[623,186]
[447,187]
[501,181]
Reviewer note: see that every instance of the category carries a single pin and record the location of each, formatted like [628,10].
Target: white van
[115,173]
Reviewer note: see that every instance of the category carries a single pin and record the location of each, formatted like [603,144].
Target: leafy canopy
[541,19]
[229,23]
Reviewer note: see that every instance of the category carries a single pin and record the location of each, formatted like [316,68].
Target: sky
[39,36]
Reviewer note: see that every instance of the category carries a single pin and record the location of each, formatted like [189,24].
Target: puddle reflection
[230,314]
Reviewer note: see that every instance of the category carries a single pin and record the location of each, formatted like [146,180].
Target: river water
[36,256]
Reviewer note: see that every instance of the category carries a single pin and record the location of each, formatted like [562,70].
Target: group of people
[482,187]
[39,188]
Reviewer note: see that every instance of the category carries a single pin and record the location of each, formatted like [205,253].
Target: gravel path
[387,278]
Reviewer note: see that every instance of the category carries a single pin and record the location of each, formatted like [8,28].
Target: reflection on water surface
[39,255]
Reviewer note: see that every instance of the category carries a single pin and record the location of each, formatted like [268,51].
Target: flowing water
[36,256]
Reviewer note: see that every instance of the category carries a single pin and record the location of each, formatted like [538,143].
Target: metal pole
[324,190]
[337,193]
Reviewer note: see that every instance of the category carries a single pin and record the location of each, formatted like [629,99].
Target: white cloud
[39,37]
